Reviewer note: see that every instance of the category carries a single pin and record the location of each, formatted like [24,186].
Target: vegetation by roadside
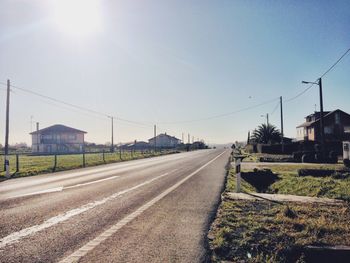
[336,185]
[33,165]
[266,157]
[263,231]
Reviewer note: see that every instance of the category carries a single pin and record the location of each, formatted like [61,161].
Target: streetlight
[319,83]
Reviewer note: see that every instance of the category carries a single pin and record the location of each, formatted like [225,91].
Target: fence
[26,164]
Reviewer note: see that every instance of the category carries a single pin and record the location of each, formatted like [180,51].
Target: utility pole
[31,123]
[155,138]
[321,118]
[282,134]
[188,139]
[37,137]
[319,83]
[7,162]
[267,119]
[183,138]
[112,137]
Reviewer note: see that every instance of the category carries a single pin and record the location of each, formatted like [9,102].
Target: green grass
[255,157]
[32,165]
[262,231]
[290,183]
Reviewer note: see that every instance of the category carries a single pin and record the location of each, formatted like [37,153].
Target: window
[46,136]
[337,118]
[72,137]
[328,130]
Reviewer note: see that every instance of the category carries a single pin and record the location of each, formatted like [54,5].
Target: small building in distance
[164,140]
[336,127]
[135,145]
[58,139]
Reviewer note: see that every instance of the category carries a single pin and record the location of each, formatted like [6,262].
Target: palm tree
[267,134]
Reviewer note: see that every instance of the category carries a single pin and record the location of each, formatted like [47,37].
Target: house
[164,140]
[336,126]
[58,139]
[135,145]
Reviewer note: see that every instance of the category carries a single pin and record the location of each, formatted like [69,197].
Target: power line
[275,108]
[75,106]
[65,108]
[185,121]
[223,114]
[324,74]
[342,56]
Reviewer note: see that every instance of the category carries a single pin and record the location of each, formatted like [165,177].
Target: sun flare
[77,17]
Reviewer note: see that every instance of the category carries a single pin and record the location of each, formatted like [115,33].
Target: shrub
[315,172]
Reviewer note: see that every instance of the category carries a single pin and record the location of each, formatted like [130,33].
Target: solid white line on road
[16,236]
[61,188]
[51,190]
[81,252]
[92,182]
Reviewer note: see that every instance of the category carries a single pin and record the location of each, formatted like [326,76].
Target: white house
[164,141]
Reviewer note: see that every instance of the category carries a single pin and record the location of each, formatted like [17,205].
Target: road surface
[150,210]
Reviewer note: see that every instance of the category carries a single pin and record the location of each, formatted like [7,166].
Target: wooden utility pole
[155,138]
[267,119]
[37,138]
[282,134]
[321,118]
[112,137]
[7,163]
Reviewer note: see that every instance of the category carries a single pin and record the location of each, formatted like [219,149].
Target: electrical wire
[75,106]
[223,114]
[275,108]
[185,121]
[324,74]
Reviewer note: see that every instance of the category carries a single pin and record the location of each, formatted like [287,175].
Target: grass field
[32,165]
[263,231]
[290,183]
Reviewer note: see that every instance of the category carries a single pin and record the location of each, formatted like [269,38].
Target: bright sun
[77,17]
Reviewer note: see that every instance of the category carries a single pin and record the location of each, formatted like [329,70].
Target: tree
[267,134]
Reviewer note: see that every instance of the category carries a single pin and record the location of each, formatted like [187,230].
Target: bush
[340,175]
[315,172]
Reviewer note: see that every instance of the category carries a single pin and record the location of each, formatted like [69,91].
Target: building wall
[57,142]
[164,141]
[301,134]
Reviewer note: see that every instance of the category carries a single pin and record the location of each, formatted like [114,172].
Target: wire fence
[28,164]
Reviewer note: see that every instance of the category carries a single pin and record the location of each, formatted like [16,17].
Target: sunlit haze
[182,65]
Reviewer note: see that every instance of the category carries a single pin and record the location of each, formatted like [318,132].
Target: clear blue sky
[168,61]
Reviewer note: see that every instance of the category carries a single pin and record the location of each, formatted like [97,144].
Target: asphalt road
[150,210]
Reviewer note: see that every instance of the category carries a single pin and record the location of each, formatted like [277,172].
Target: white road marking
[92,182]
[51,190]
[61,188]
[81,252]
[16,236]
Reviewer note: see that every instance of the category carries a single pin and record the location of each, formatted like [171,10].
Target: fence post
[103,156]
[83,159]
[238,174]
[17,163]
[54,163]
